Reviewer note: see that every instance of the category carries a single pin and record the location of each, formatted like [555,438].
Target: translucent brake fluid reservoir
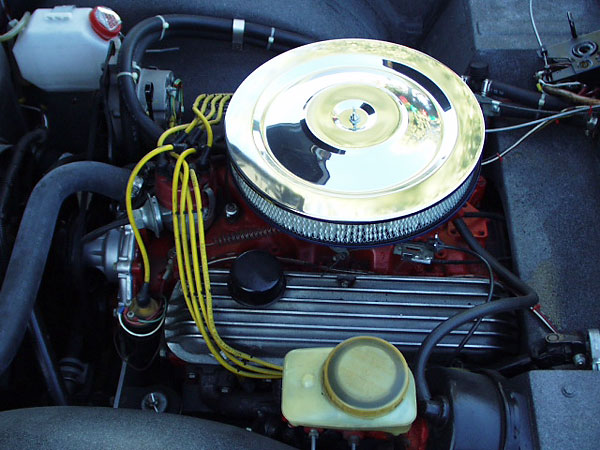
[63,49]
[362,384]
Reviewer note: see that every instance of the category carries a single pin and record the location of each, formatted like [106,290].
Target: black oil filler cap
[256,279]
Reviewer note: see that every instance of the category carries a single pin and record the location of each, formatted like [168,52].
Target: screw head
[130,314]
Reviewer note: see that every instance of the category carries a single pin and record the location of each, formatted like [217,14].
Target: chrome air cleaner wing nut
[355,142]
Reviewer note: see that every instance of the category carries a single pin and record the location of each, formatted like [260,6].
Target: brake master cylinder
[362,384]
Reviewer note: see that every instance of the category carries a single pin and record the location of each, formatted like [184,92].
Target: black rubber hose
[95,234]
[503,273]
[28,259]
[138,39]
[525,96]
[13,169]
[435,409]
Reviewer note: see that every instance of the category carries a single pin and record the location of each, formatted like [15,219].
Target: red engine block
[226,238]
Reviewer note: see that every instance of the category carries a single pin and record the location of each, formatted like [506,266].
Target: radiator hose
[30,251]
[7,194]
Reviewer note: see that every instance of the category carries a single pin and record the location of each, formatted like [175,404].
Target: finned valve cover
[355,142]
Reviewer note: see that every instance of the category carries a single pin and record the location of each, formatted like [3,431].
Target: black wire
[324,268]
[466,261]
[525,109]
[486,215]
[92,235]
[126,359]
[456,261]
[490,294]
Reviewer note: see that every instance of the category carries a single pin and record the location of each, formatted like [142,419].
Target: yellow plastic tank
[362,384]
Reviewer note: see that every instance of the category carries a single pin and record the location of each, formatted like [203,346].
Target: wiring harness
[190,243]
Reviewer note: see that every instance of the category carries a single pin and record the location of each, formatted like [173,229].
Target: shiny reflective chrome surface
[354,131]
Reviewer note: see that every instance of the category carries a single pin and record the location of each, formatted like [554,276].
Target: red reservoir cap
[105,22]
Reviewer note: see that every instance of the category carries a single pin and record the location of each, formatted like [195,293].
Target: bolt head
[231,210]
[138,183]
[579,360]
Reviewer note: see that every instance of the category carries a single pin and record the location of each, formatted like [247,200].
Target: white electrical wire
[141,335]
[560,85]
[502,154]
[560,115]
[540,123]
[16,29]
[537,35]
[535,30]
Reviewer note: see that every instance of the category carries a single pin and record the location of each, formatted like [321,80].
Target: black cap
[256,279]
[479,70]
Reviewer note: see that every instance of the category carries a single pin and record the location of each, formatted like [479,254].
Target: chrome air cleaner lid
[354,141]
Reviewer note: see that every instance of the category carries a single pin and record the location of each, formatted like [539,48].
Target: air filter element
[354,142]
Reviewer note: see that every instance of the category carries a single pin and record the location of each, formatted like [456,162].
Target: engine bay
[323,229]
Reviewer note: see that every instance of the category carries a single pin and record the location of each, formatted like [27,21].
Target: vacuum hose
[435,409]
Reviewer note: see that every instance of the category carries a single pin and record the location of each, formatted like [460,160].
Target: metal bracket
[594,337]
[417,252]
[490,107]
[149,216]
[561,339]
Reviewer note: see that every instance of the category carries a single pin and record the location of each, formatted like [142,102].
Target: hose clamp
[237,37]
[165,26]
[133,75]
[271,39]
[485,87]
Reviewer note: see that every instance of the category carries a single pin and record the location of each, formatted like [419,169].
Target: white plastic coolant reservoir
[63,49]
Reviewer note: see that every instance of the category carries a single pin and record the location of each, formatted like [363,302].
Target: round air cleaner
[354,142]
